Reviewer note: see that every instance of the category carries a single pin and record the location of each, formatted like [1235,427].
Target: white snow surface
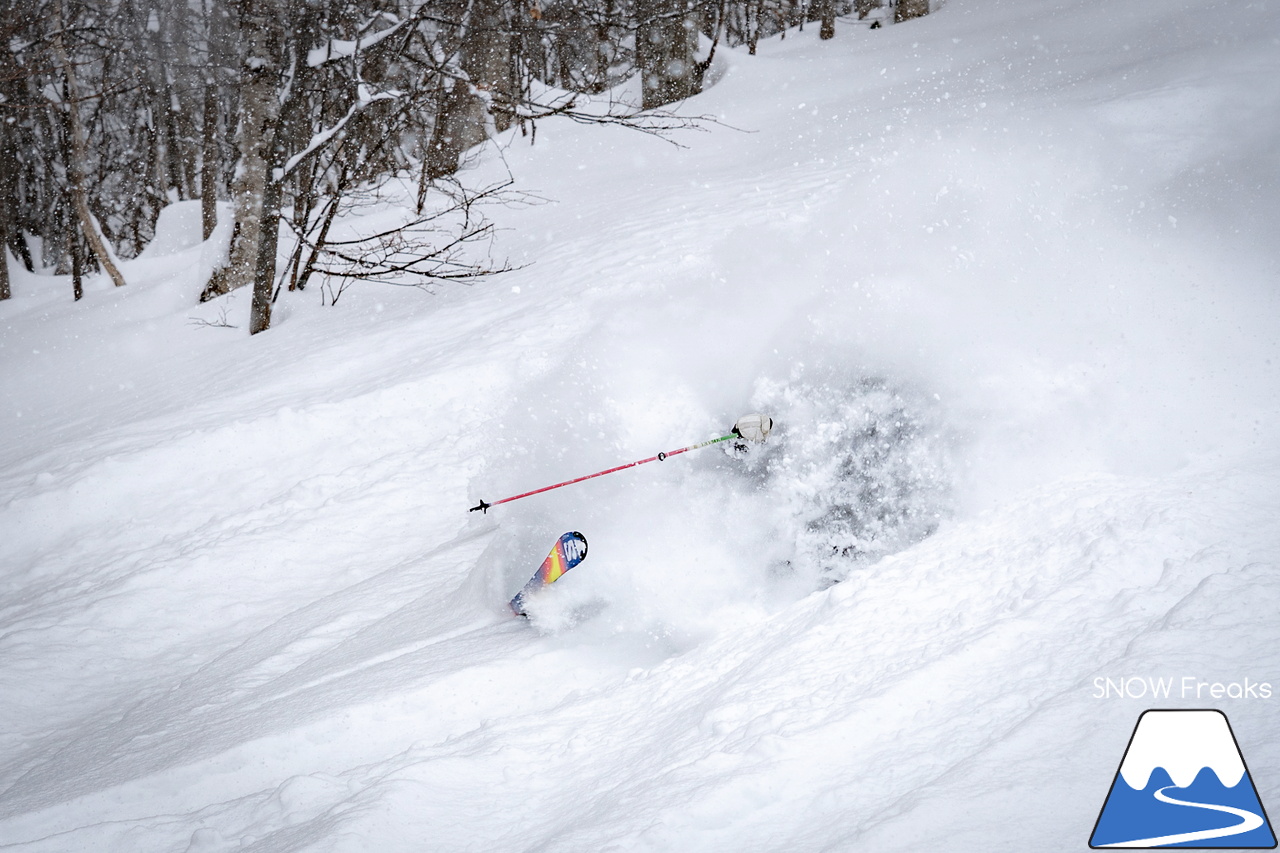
[243,606]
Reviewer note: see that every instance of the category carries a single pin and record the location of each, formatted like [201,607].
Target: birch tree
[262,78]
[300,111]
[77,151]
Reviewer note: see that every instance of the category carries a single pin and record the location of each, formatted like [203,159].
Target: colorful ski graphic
[569,550]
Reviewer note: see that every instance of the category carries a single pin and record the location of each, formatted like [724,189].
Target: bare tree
[666,51]
[8,168]
[434,247]
[262,80]
[476,83]
[295,110]
[293,105]
[77,150]
[11,78]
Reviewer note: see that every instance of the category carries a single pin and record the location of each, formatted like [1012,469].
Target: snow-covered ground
[1005,275]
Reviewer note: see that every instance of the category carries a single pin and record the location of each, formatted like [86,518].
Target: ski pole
[750,427]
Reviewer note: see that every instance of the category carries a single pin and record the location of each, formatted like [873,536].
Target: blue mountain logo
[1183,783]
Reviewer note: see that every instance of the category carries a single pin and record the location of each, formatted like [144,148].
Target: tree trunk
[10,221]
[604,53]
[908,9]
[173,148]
[313,254]
[487,57]
[5,290]
[826,19]
[8,174]
[209,163]
[260,85]
[458,121]
[264,275]
[77,265]
[666,46]
[77,154]
[175,27]
[463,112]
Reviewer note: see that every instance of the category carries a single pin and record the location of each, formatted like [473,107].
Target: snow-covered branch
[344,48]
[365,97]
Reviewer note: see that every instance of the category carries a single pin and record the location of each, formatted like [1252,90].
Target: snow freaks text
[1184,687]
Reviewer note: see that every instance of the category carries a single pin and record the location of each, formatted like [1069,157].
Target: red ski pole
[750,427]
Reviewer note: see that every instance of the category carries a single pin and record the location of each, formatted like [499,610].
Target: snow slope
[244,607]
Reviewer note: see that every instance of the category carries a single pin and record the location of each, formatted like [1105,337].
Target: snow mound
[978,269]
[179,228]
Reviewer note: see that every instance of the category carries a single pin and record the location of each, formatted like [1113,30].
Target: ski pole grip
[482,506]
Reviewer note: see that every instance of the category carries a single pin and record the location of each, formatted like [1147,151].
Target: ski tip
[574,546]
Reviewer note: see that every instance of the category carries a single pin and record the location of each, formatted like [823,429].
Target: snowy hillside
[1004,276]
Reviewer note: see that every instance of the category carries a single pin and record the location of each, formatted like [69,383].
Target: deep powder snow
[1005,278]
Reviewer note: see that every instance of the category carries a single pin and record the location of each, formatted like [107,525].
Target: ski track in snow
[242,605]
